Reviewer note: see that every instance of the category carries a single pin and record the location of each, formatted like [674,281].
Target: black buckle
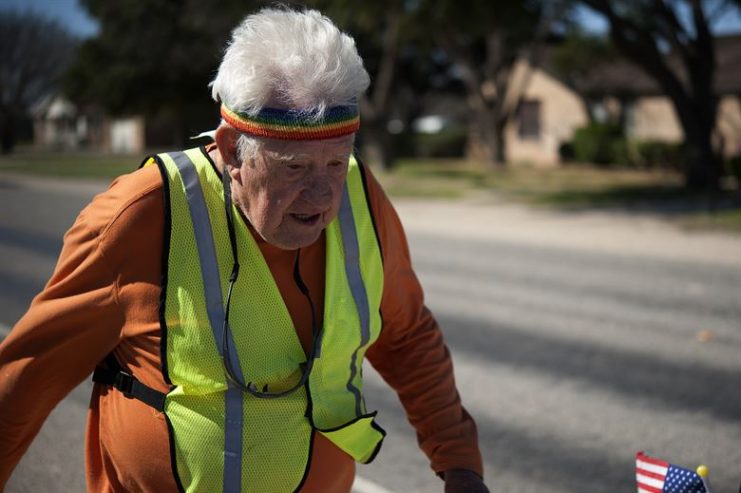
[124,382]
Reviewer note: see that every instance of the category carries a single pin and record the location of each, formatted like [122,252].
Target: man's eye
[335,164]
[295,167]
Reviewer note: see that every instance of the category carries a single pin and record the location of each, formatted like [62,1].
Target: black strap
[226,181]
[129,386]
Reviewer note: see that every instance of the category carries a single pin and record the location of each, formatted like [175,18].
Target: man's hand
[463,481]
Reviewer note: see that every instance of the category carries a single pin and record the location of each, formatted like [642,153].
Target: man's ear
[226,141]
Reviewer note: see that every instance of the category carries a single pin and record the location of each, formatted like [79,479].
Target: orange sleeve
[411,356]
[68,329]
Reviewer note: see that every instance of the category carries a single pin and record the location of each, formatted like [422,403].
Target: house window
[529,118]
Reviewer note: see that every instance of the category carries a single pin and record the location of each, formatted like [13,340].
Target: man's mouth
[306,219]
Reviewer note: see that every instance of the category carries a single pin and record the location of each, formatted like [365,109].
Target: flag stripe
[650,474]
[644,458]
[646,481]
[648,489]
[648,466]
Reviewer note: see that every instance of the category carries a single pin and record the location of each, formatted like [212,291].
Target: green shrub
[620,153]
[598,143]
[402,144]
[450,142]
[654,154]
[733,167]
[606,145]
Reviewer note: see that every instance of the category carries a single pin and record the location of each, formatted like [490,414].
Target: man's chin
[294,242]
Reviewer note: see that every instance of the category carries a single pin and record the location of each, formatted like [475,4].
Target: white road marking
[362,485]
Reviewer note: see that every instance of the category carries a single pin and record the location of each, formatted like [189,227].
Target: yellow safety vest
[222,438]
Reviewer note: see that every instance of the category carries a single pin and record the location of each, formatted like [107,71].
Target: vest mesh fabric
[342,324]
[276,434]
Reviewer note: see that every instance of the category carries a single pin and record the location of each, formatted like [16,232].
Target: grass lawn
[564,186]
[70,165]
[570,187]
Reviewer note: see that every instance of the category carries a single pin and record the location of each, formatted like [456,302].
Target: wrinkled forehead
[339,147]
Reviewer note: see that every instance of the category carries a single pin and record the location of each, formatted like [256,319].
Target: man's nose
[318,190]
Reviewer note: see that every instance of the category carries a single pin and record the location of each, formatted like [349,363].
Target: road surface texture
[578,338]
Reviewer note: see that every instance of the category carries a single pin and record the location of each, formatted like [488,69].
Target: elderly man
[227,295]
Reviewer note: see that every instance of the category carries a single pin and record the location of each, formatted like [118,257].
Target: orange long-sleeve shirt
[104,297]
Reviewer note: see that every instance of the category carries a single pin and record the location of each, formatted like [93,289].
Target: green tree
[156,57]
[381,29]
[484,40]
[34,52]
[673,43]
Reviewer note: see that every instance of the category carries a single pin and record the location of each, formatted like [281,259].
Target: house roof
[52,107]
[620,77]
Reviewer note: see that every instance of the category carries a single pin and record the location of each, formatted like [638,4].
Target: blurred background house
[60,125]
[550,109]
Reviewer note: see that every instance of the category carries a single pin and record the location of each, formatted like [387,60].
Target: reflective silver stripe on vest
[357,287]
[214,305]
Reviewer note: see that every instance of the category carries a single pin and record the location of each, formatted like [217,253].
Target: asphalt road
[576,339]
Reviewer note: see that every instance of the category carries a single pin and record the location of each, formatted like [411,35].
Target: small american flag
[658,476]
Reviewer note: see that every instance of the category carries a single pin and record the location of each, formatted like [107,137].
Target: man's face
[292,190]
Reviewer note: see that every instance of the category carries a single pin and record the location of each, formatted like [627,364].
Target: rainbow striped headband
[294,124]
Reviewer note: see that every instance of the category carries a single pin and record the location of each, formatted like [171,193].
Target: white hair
[290,59]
